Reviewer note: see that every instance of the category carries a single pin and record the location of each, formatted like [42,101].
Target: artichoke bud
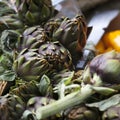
[12,106]
[34,12]
[112,113]
[32,38]
[30,66]
[25,90]
[107,66]
[72,33]
[35,103]
[52,25]
[10,21]
[81,113]
[57,55]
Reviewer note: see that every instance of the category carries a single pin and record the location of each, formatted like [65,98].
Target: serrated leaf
[105,104]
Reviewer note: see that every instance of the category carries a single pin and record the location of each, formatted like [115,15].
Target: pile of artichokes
[38,75]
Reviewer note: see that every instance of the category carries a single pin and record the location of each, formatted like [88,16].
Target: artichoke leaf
[8,75]
[104,90]
[107,103]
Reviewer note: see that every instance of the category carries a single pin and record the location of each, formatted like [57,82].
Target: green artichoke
[107,66]
[10,21]
[31,64]
[25,90]
[32,38]
[72,34]
[112,113]
[11,107]
[33,12]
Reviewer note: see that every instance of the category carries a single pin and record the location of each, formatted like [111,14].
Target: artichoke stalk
[68,101]
[107,66]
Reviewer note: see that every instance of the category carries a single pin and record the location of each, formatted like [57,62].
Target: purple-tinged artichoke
[11,107]
[32,38]
[112,113]
[72,33]
[82,112]
[107,66]
[31,64]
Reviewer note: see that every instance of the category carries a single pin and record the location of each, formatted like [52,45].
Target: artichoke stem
[64,103]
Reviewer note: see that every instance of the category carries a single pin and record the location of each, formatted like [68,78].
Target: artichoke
[12,107]
[31,64]
[32,38]
[10,21]
[33,12]
[58,56]
[35,102]
[107,66]
[82,113]
[72,34]
[112,113]
[25,90]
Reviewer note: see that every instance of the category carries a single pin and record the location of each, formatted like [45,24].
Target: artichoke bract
[34,12]
[11,107]
[72,33]
[31,64]
[32,38]
[52,25]
[107,66]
